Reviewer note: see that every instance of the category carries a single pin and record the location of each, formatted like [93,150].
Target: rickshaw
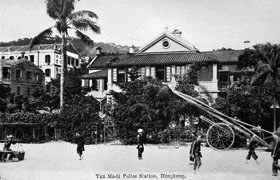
[222,130]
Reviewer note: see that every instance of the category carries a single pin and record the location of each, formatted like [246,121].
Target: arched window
[48,59]
[48,72]
[28,75]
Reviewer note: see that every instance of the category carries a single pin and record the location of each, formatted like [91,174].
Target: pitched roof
[224,56]
[161,59]
[171,36]
[103,61]
[70,48]
[98,74]
[17,61]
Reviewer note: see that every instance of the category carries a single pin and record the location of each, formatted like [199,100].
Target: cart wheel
[220,136]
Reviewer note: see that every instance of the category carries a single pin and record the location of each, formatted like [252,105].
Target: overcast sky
[208,24]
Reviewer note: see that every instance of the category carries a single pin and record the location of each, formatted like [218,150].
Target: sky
[208,24]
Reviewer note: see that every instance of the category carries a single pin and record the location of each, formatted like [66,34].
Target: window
[18,90]
[28,91]
[48,72]
[121,75]
[77,62]
[160,73]
[31,58]
[165,43]
[26,57]
[6,72]
[11,57]
[18,73]
[3,57]
[68,60]
[72,61]
[37,76]
[48,59]
[28,75]
[105,84]
[86,82]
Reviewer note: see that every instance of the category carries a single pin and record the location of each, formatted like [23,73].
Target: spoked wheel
[220,136]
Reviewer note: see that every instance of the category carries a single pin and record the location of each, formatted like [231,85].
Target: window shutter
[153,73]
[168,73]
[115,74]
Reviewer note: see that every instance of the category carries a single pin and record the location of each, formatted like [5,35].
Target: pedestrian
[80,144]
[275,154]
[191,154]
[196,153]
[7,147]
[251,145]
[140,143]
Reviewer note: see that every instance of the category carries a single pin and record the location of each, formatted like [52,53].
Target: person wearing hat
[80,145]
[275,154]
[7,146]
[140,143]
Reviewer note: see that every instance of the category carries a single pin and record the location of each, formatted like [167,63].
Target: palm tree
[65,20]
[267,70]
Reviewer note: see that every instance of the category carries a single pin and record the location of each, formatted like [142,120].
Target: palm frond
[36,40]
[83,14]
[84,38]
[58,9]
[85,24]
[262,71]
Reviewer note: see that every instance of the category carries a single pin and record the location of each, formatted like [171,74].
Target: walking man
[196,153]
[252,144]
[80,145]
[140,143]
[275,154]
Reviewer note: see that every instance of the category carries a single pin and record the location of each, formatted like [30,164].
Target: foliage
[265,58]
[150,105]
[4,94]
[145,105]
[79,114]
[247,103]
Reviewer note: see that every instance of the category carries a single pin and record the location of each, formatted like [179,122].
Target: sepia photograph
[139,89]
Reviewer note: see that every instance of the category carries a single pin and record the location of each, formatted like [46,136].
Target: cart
[222,131]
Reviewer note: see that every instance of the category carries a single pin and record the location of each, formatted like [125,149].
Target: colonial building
[164,57]
[22,76]
[227,67]
[46,56]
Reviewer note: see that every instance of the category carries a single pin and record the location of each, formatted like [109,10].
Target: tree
[62,12]
[266,61]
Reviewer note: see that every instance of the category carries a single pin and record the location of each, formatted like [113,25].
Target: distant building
[46,56]
[22,76]
[164,57]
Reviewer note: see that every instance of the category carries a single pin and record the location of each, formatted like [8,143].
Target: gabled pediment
[168,42]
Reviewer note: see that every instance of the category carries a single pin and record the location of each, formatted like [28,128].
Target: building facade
[22,76]
[45,56]
[166,56]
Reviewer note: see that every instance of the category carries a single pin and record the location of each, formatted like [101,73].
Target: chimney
[55,46]
[131,49]
[98,51]
[177,33]
[22,54]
